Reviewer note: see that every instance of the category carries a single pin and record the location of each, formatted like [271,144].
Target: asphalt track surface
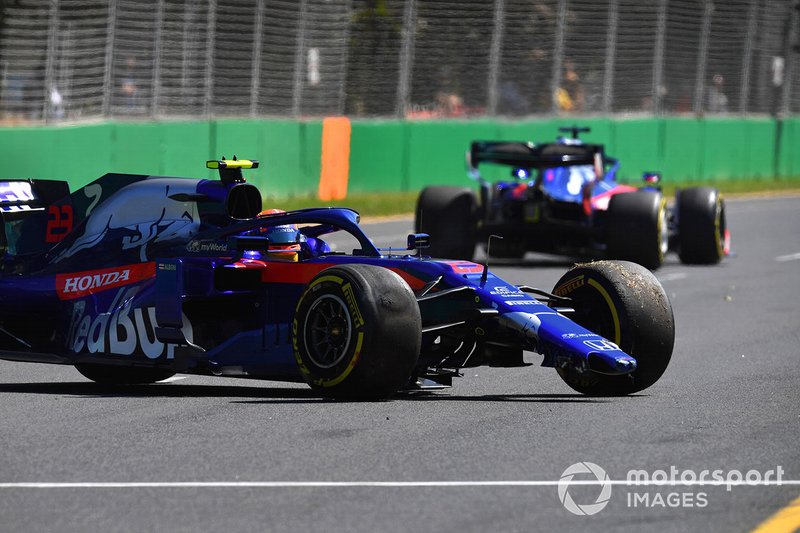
[729,400]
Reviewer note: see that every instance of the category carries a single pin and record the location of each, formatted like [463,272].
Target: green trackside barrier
[69,153]
[394,155]
[436,150]
[379,164]
[788,162]
[288,151]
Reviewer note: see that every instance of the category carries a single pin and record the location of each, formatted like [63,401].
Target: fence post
[342,103]
[255,74]
[788,61]
[108,78]
[211,31]
[747,56]
[658,59]
[558,53]
[611,55]
[299,59]
[494,56]
[702,59]
[50,67]
[406,57]
[156,83]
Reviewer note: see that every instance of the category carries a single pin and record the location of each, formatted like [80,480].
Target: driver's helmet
[284,240]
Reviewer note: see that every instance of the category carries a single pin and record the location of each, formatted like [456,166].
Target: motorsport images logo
[567,479]
[594,494]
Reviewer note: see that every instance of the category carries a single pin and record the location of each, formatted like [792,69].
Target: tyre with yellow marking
[357,332]
[625,303]
[636,228]
[701,225]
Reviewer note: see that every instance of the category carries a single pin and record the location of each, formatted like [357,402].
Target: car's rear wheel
[626,304]
[122,375]
[357,332]
[448,215]
[637,228]
[701,225]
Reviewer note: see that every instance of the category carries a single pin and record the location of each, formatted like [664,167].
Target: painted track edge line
[374,484]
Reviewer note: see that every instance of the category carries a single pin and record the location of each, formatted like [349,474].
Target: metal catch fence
[92,59]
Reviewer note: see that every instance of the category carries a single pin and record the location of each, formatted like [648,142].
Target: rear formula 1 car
[134,278]
[564,199]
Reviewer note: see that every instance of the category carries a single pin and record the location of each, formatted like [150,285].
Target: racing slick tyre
[626,304]
[357,332]
[637,228]
[701,225]
[122,375]
[447,214]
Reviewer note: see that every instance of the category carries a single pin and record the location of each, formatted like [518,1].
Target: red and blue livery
[134,278]
[565,199]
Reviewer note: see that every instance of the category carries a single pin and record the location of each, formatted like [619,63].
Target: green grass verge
[387,204]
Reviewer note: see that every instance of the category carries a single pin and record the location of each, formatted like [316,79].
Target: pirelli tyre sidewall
[625,303]
[357,332]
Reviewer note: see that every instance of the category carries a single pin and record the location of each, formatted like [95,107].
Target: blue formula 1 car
[564,199]
[134,278]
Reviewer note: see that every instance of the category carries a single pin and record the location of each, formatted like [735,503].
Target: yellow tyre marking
[614,315]
[353,360]
[331,277]
[786,520]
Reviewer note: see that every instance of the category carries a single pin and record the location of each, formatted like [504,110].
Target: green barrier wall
[394,156]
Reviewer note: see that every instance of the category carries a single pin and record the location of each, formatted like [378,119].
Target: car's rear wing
[20,197]
[528,155]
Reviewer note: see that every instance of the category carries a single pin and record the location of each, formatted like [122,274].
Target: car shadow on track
[266,395]
[94,390]
[538,398]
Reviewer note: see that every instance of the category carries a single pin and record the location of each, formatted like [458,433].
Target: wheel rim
[328,330]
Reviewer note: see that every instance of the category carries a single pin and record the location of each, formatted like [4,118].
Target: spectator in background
[717,100]
[569,96]
[511,101]
[57,110]
[128,84]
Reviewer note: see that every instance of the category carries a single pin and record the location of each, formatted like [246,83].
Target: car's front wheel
[627,305]
[357,332]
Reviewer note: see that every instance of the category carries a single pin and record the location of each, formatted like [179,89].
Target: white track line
[368,484]
[790,257]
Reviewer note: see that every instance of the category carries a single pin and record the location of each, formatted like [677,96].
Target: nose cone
[611,364]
